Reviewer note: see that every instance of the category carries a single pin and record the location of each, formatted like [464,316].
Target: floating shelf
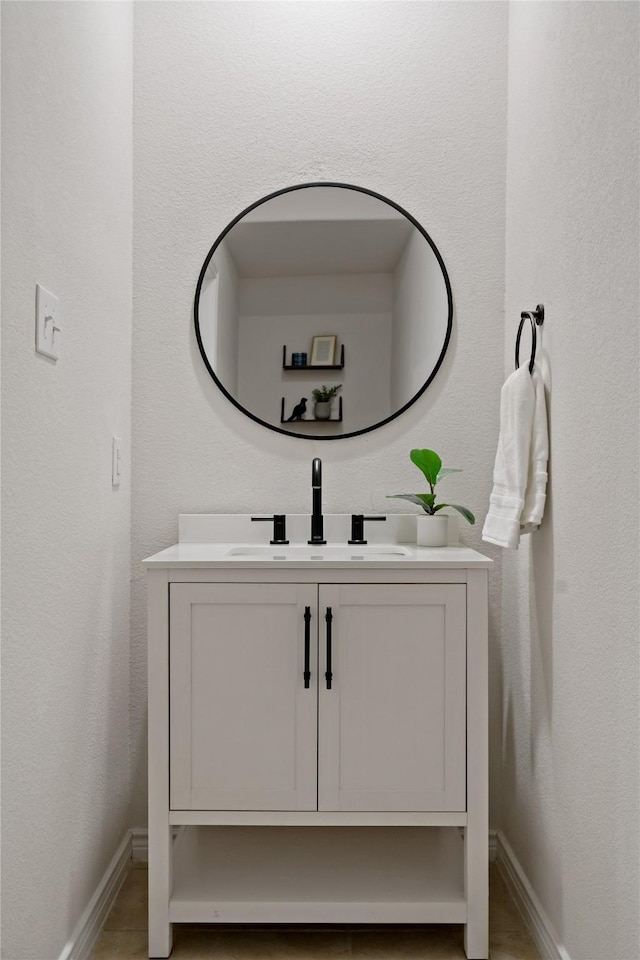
[313,420]
[337,419]
[324,366]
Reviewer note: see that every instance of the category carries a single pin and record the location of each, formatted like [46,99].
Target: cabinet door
[243,730]
[392,726]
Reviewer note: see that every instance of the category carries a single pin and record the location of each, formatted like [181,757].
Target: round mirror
[323,311]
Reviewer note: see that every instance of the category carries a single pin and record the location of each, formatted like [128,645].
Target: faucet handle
[279,527]
[357,527]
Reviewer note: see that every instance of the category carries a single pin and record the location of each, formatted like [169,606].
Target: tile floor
[124,936]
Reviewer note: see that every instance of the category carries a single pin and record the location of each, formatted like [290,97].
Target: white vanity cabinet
[317,697]
[318,742]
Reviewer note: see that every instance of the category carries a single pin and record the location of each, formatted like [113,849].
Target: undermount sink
[336,551]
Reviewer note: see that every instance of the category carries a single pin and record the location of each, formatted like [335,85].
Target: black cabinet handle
[328,675]
[307,646]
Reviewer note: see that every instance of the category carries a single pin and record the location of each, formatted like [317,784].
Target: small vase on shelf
[322,397]
[322,410]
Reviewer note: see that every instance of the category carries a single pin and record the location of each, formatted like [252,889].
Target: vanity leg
[476,878]
[476,840]
[160,853]
[160,930]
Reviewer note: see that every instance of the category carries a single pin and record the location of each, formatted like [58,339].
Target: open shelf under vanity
[258,874]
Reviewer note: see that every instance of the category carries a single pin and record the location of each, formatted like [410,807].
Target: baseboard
[87,930]
[493,845]
[140,843]
[521,891]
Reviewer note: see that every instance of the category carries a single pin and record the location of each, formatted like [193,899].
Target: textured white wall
[235,100]
[570,595]
[66,198]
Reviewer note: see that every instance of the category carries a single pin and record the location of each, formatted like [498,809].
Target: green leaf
[429,462]
[466,513]
[424,500]
[447,470]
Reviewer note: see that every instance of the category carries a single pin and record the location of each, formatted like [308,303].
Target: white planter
[322,409]
[431,531]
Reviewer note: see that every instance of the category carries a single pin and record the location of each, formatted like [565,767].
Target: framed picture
[323,351]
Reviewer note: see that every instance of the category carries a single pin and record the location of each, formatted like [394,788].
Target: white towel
[520,471]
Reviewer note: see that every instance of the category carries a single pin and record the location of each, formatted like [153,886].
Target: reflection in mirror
[323,261]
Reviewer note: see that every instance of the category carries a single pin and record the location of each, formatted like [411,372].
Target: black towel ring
[536,318]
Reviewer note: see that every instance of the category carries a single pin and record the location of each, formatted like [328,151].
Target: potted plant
[432,527]
[322,401]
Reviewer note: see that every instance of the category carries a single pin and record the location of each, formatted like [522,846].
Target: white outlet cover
[48,327]
[116,462]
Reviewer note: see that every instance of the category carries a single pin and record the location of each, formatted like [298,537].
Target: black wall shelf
[324,366]
[337,419]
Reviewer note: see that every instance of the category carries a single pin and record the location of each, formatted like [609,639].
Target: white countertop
[217,540]
[217,555]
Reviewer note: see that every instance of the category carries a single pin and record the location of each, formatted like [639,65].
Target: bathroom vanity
[317,730]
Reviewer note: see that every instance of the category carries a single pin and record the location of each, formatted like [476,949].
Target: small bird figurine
[299,410]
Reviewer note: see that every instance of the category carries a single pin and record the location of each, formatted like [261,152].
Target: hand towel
[536,494]
[520,470]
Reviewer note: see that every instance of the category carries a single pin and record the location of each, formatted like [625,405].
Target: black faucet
[279,527]
[317,521]
[357,527]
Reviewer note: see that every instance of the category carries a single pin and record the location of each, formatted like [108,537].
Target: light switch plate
[47,323]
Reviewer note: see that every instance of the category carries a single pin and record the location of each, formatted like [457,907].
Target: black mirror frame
[380,423]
